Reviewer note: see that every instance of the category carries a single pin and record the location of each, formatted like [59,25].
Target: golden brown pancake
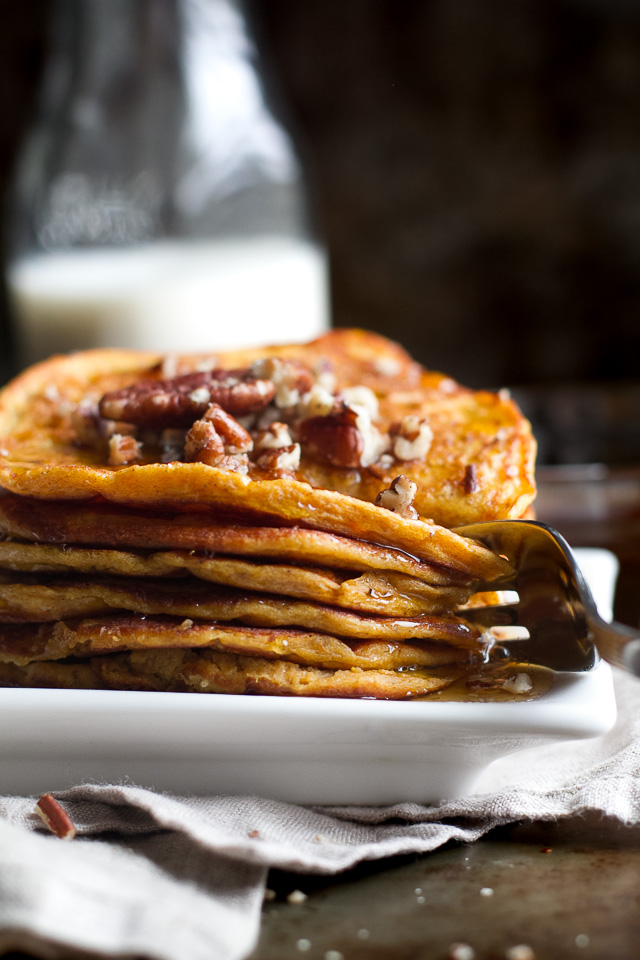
[102,524]
[51,674]
[29,643]
[205,671]
[64,599]
[390,594]
[270,521]
[479,464]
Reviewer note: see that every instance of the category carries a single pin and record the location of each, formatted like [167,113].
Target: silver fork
[555,604]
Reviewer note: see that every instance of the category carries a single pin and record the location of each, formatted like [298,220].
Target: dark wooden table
[565,890]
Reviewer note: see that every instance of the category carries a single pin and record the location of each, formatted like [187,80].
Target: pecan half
[334,438]
[180,401]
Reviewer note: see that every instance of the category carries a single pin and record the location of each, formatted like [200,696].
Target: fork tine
[552,607]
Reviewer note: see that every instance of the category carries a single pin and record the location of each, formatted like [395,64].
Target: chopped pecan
[55,817]
[123,450]
[361,399]
[412,438]
[203,445]
[282,462]
[317,403]
[399,498]
[289,378]
[219,441]
[275,437]
[374,443]
[172,442]
[521,683]
[266,417]
[180,401]
[334,438]
[324,375]
[382,466]
[85,420]
[470,479]
[91,430]
[235,438]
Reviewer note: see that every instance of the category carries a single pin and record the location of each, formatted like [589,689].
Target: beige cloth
[168,877]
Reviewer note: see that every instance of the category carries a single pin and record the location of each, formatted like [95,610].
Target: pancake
[211,672]
[102,524]
[479,462]
[388,594]
[30,643]
[52,675]
[64,599]
[272,521]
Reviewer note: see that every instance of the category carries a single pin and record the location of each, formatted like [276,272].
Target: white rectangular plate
[296,749]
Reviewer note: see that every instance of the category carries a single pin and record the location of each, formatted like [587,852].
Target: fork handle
[619,645]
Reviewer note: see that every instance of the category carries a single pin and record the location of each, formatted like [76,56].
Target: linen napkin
[167,877]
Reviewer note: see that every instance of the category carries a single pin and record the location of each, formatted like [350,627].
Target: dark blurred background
[476,165]
[476,169]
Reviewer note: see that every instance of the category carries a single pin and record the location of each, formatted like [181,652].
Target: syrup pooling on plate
[259,521]
[499,682]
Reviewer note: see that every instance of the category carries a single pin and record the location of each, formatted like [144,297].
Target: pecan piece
[91,430]
[235,438]
[290,379]
[219,441]
[399,498]
[123,450]
[172,444]
[203,444]
[335,437]
[411,438]
[365,403]
[55,817]
[275,437]
[282,462]
[381,467]
[470,479]
[318,402]
[181,400]
[87,424]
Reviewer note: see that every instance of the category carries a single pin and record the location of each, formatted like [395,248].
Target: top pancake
[479,465]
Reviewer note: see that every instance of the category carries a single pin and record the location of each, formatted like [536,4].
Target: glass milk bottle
[159,203]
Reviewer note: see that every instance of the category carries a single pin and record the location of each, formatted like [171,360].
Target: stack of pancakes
[274,521]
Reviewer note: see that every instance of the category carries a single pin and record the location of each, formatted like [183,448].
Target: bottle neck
[154,124]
